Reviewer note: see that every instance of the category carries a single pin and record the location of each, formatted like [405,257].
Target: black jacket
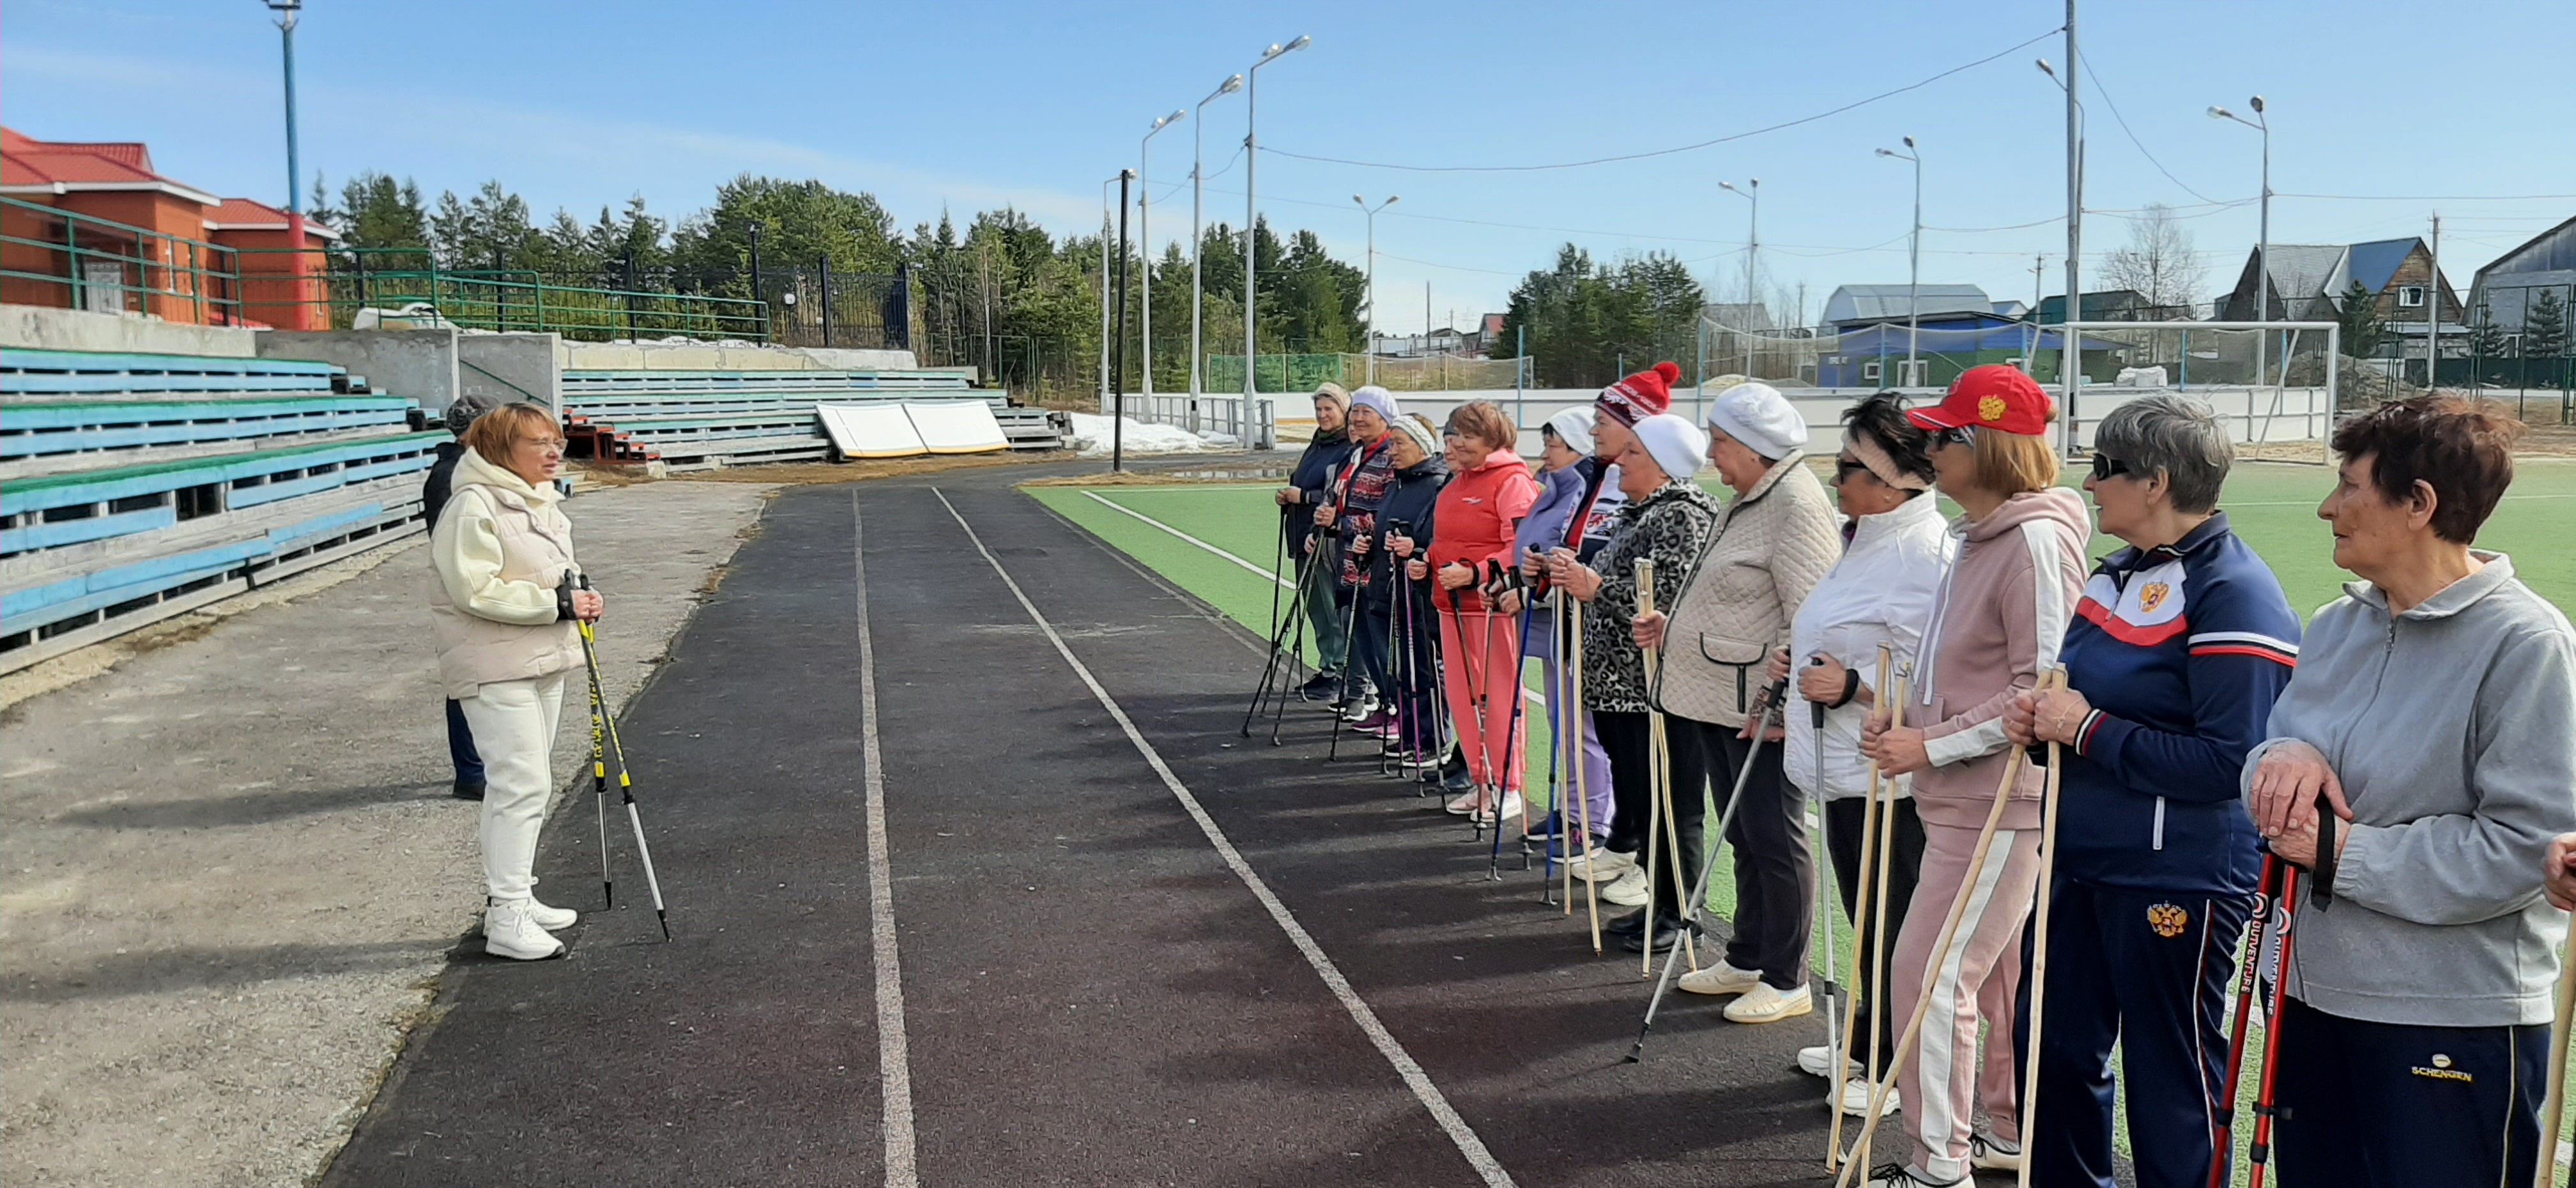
[1411,497]
[433,491]
[1323,458]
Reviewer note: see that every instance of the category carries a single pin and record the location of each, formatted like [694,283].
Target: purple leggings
[1595,761]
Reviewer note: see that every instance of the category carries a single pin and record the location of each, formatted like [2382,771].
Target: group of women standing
[2415,754]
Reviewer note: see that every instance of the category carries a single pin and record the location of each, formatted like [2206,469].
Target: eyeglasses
[1954,435]
[546,443]
[2104,466]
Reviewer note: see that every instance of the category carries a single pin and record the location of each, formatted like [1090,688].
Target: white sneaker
[1856,1099]
[510,930]
[1359,708]
[1812,1061]
[1767,1004]
[1465,802]
[1628,890]
[1511,808]
[1721,978]
[1601,864]
[552,919]
[1988,1153]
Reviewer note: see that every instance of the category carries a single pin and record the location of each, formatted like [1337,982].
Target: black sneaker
[1320,686]
[467,790]
[1667,933]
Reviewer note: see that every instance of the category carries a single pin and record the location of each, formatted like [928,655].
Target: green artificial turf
[2271,505]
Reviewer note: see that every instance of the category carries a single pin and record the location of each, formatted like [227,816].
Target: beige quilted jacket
[1773,544]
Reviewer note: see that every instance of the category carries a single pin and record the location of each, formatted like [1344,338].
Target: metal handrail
[192,270]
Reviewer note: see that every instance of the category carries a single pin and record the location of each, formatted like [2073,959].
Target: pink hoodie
[1995,628]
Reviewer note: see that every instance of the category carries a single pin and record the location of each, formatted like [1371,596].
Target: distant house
[2012,309]
[1959,328]
[2309,281]
[1739,315]
[2504,290]
[1853,307]
[2112,305]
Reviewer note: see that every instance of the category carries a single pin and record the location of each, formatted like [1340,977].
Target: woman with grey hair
[2175,654]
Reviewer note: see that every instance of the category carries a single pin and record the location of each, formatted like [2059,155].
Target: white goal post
[2279,362]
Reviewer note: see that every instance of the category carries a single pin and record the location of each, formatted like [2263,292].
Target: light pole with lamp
[1251,213]
[2070,361]
[1198,168]
[1913,260]
[1372,275]
[1145,246]
[1105,303]
[1752,192]
[2263,246]
[287,11]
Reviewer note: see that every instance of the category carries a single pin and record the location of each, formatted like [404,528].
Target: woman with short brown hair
[503,610]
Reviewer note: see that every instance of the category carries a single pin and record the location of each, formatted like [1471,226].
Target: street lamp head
[1726,185]
[1909,142]
[1274,51]
[2045,68]
[1391,200]
[2220,113]
[1755,183]
[1302,42]
[1126,175]
[1232,85]
[1886,152]
[2258,105]
[1362,201]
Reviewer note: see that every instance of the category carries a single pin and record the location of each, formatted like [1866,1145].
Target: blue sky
[966,106]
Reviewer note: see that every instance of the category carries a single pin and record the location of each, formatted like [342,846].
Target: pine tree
[2486,339]
[2544,326]
[2363,327]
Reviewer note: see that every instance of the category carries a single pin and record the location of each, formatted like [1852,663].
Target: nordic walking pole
[1835,1036]
[1886,875]
[599,783]
[1582,801]
[1772,702]
[1659,751]
[2554,1103]
[1878,1089]
[1654,767]
[1350,629]
[625,780]
[2223,1149]
[2259,1156]
[1839,1059]
[2038,971]
[1278,629]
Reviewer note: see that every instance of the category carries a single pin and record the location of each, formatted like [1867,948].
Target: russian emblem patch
[2168,920]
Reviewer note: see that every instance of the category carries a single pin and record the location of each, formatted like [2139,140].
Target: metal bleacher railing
[134,487]
[691,419]
[50,256]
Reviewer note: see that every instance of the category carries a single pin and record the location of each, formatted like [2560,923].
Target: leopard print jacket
[1671,526]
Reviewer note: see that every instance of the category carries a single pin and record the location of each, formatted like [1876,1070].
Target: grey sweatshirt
[2453,729]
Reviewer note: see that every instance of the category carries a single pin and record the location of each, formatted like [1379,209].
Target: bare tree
[2158,264]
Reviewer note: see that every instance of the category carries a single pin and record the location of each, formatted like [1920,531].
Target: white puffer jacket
[1772,544]
[1881,592]
[500,547]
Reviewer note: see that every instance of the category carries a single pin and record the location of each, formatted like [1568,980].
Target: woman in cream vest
[504,610]
[1774,542]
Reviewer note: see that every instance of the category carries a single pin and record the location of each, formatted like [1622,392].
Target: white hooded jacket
[500,548]
[1881,592]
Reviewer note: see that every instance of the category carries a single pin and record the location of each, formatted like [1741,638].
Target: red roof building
[91,225]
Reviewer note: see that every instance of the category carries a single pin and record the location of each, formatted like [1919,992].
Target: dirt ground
[230,871]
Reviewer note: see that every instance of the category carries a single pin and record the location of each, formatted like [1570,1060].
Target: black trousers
[1775,872]
[2386,1104]
[1626,737]
[1904,869]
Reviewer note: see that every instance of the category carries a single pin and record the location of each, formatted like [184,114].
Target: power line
[2086,61]
[2432,197]
[1857,103]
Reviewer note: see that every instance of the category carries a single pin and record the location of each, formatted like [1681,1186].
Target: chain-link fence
[1306,372]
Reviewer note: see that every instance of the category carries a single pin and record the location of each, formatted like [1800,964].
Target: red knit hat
[1641,395]
[1993,397]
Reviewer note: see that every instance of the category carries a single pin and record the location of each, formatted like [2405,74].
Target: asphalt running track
[1092,988]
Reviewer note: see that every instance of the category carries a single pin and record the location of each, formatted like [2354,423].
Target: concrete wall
[513,366]
[34,327]
[694,356]
[417,363]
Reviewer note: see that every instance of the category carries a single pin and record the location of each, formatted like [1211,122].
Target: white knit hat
[1378,400]
[1574,427]
[1421,434]
[1674,443]
[1760,417]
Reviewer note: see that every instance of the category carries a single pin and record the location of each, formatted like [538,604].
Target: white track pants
[514,726]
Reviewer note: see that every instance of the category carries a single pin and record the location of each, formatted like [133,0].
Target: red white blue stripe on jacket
[2180,650]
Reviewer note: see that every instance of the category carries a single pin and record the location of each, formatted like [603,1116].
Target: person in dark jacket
[1349,515]
[1395,602]
[2176,651]
[1310,484]
[433,497]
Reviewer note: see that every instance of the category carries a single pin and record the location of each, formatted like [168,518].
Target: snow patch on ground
[1091,437]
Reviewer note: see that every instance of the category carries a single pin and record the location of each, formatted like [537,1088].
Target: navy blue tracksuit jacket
[2181,651]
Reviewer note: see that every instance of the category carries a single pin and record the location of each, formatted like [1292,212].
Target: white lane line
[894,1060]
[1527,694]
[1414,1078]
[1273,575]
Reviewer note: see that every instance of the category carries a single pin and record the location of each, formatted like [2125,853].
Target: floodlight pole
[1913,256]
[1752,192]
[1118,370]
[1251,228]
[2263,245]
[2072,362]
[287,11]
[1372,275]
[1198,183]
[1145,236]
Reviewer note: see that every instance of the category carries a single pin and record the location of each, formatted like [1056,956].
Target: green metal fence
[517,299]
[48,254]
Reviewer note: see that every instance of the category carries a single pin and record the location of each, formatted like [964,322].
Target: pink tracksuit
[1481,646]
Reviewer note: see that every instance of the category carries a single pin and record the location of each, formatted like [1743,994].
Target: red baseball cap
[1990,397]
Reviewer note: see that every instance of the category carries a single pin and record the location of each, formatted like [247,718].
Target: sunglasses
[1845,468]
[1954,435]
[2104,466]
